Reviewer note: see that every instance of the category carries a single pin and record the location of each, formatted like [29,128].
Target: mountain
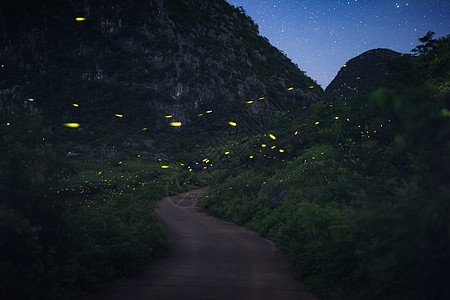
[117,67]
[362,73]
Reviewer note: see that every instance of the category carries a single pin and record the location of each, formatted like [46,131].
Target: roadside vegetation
[68,224]
[358,198]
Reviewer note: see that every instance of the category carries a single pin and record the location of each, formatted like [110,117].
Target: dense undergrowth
[64,225]
[361,206]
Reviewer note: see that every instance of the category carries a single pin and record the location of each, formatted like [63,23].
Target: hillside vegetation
[359,199]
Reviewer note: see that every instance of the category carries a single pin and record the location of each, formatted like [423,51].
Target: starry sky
[322,35]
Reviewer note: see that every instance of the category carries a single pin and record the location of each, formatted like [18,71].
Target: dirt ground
[210,259]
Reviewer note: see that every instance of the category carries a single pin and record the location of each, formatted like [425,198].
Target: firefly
[175,124]
[232,123]
[290,89]
[79,19]
[119,115]
[165,167]
[74,104]
[272,136]
[249,102]
[72,125]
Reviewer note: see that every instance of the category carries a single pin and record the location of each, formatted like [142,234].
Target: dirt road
[210,259]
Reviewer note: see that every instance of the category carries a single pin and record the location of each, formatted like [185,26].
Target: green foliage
[366,212]
[61,234]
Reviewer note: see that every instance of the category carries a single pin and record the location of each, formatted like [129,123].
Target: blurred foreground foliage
[361,205]
[60,236]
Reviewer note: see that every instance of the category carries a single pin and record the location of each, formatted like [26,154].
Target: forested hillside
[359,198]
[363,73]
[140,66]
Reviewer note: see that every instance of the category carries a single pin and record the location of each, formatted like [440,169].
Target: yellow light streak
[72,125]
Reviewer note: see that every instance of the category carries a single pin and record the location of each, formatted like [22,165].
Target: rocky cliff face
[143,60]
[362,73]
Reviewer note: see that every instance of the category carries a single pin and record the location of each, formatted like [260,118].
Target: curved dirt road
[210,259]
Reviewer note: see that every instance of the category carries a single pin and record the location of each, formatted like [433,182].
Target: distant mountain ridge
[143,61]
[362,73]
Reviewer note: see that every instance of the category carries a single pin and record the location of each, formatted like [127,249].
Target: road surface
[210,259]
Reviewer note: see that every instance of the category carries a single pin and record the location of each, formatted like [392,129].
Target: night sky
[322,35]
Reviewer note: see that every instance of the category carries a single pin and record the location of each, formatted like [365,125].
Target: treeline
[59,239]
[358,194]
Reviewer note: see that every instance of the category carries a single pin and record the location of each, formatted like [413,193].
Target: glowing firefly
[72,125]
[290,89]
[209,111]
[262,98]
[272,136]
[232,123]
[165,167]
[74,104]
[79,19]
[249,102]
[31,100]
[168,117]
[119,115]
[317,123]
[145,128]
[175,124]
